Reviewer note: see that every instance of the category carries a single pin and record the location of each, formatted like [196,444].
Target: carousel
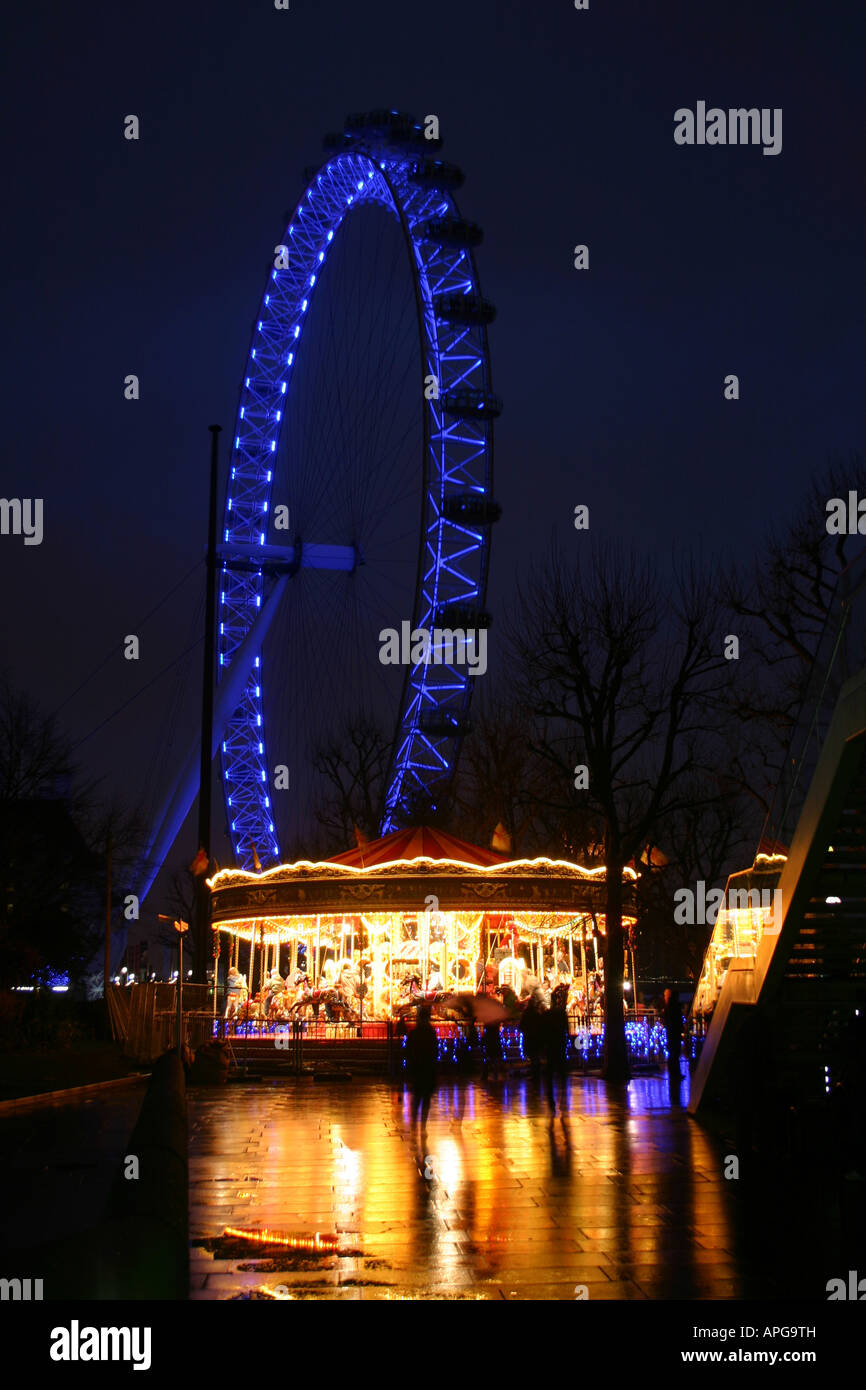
[417,916]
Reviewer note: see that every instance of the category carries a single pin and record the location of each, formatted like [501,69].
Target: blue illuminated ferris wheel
[360,482]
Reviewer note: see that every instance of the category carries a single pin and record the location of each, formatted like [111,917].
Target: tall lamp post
[180,927]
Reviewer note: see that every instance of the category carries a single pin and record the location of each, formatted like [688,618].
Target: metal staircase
[807,976]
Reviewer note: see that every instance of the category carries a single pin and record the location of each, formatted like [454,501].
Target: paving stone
[628,1199]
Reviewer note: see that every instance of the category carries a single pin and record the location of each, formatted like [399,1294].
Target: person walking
[532,1026]
[556,1047]
[673,1018]
[491,1051]
[421,1050]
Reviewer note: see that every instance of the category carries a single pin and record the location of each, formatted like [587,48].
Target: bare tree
[35,759]
[623,679]
[353,764]
[500,780]
[784,598]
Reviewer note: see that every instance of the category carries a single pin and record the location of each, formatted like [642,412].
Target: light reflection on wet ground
[624,1198]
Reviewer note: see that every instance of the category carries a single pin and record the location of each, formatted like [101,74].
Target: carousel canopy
[399,871]
[418,842]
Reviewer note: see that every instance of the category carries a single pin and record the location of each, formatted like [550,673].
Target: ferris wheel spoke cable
[386,388]
[379,504]
[363,360]
[158,772]
[374,383]
[137,626]
[138,694]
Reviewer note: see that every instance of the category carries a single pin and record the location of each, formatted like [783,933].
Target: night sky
[150,257]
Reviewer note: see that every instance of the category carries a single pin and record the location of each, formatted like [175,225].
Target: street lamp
[180,927]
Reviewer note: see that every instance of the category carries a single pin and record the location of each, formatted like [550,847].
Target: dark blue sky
[150,258]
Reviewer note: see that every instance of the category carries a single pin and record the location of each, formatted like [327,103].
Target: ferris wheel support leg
[227,698]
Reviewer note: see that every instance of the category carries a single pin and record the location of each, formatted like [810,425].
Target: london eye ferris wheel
[360,484]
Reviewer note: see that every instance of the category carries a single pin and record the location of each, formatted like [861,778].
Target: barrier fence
[144,1019]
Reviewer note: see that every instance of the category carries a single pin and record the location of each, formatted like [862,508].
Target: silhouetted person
[673,1019]
[421,1048]
[556,1046]
[532,1028]
[491,1051]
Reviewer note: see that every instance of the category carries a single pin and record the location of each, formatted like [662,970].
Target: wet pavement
[57,1167]
[624,1198]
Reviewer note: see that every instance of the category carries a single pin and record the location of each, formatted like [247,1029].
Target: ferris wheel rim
[244,758]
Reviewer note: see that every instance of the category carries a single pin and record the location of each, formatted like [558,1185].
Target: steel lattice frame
[453,561]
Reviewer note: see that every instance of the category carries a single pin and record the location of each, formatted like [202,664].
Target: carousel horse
[337,1007]
[304,1000]
[438,1001]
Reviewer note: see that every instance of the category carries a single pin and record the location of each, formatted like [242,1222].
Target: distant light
[832,900]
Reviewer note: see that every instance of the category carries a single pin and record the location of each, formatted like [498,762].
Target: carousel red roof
[417,842]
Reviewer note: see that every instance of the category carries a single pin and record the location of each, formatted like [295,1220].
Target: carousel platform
[372,1049]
